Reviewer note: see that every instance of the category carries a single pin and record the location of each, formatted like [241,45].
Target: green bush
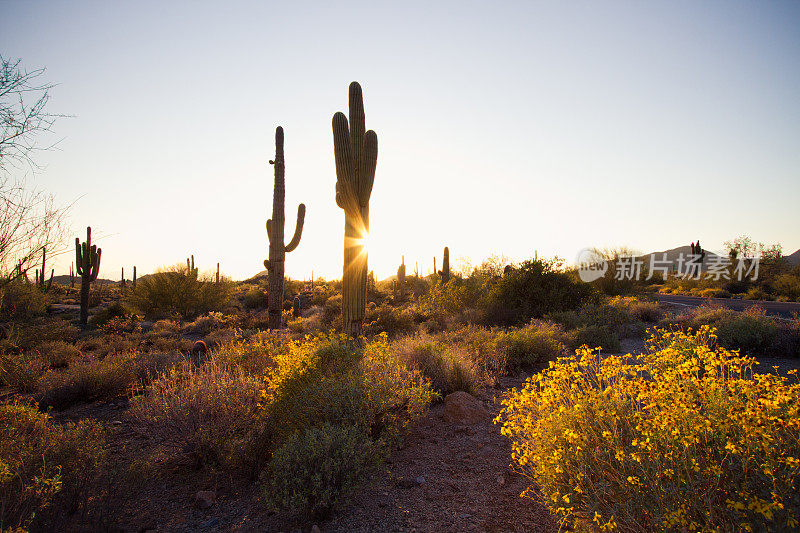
[179,291]
[788,285]
[255,298]
[391,320]
[46,469]
[534,289]
[751,331]
[318,467]
[534,344]
[593,336]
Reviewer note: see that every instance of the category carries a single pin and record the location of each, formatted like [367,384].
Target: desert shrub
[58,354]
[116,310]
[122,326]
[209,322]
[593,336]
[46,469]
[757,293]
[448,367]
[788,285]
[751,331]
[101,379]
[536,343]
[102,346]
[677,442]
[22,301]
[391,320]
[607,321]
[534,289]
[22,371]
[712,292]
[26,336]
[178,291]
[333,308]
[637,310]
[329,378]
[255,298]
[318,467]
[199,412]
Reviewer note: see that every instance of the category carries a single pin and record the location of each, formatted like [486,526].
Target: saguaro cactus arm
[298,229]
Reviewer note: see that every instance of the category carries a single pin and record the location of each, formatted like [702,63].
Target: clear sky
[503,127]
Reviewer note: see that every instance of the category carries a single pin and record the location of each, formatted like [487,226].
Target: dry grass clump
[688,439]
[199,411]
[92,378]
[449,367]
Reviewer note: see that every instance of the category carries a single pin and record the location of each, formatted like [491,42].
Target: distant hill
[794,259]
[673,255]
[64,280]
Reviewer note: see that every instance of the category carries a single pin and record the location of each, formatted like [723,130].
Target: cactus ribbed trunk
[401,278]
[356,154]
[87,260]
[275,232]
[445,271]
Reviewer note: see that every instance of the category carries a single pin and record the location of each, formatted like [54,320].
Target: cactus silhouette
[401,277]
[133,281]
[275,232]
[445,271]
[87,260]
[356,155]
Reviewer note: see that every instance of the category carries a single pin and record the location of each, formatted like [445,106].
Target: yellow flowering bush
[686,437]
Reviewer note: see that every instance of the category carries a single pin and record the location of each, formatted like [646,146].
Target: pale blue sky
[503,127]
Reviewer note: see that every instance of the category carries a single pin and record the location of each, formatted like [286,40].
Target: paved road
[781,309]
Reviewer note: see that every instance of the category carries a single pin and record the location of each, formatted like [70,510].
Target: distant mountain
[794,259]
[673,255]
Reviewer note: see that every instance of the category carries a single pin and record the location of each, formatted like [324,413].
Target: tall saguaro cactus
[275,232]
[87,259]
[445,271]
[401,277]
[356,155]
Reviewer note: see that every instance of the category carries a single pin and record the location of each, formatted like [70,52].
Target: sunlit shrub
[751,331]
[688,439]
[255,298]
[46,469]
[28,335]
[788,285]
[714,293]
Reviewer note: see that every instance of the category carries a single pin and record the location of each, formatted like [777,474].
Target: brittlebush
[685,437]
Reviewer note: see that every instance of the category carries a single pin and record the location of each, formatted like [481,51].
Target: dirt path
[446,477]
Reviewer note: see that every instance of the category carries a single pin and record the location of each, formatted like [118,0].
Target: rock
[501,480]
[420,480]
[214,522]
[205,499]
[315,529]
[462,408]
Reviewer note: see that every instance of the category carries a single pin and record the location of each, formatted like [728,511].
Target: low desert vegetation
[304,411]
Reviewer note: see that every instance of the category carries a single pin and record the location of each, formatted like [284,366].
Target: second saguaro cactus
[401,277]
[275,232]
[445,271]
[356,155]
[87,260]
